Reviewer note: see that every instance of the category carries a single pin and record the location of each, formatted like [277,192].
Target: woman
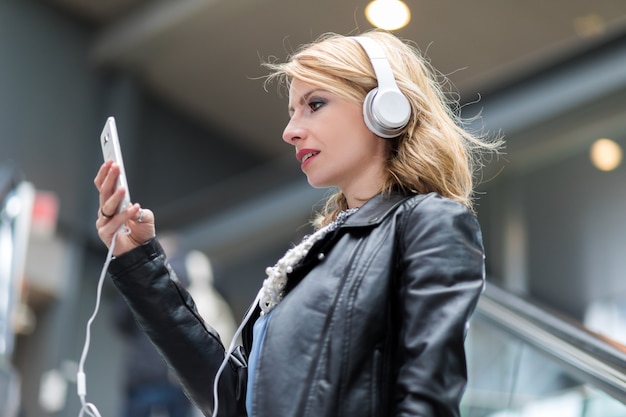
[367,316]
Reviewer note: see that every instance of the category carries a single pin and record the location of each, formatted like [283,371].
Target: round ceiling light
[605,154]
[388,14]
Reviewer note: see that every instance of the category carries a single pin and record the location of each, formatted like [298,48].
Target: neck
[358,201]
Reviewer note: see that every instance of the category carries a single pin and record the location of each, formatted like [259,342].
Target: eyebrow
[304,98]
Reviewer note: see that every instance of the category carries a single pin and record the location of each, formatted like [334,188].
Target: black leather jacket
[373,327]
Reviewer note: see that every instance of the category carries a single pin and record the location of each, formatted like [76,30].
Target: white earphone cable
[230,350]
[81,379]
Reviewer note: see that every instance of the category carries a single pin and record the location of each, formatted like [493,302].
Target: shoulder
[435,204]
[434,207]
[428,214]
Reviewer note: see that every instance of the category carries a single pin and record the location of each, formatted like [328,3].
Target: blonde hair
[434,152]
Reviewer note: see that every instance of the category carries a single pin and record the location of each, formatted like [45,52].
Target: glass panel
[509,378]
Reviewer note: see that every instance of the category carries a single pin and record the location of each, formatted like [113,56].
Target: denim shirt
[257,342]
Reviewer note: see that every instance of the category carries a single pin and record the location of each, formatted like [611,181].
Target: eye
[316,103]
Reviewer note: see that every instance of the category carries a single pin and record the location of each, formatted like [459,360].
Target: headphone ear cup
[367,112]
[386,112]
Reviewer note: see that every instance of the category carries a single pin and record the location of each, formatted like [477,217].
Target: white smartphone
[111,150]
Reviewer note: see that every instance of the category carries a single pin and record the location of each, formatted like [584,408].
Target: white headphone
[386,110]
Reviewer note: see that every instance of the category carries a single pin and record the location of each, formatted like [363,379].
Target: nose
[293,131]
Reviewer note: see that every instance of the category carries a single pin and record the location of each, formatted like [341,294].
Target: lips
[305,155]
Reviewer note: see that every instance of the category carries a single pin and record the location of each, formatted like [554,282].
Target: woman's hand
[140,222]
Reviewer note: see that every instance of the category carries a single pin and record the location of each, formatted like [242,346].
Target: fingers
[144,216]
[102,172]
[106,181]
[110,196]
[107,226]
[109,207]
[142,213]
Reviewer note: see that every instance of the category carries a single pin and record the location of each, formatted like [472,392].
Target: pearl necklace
[274,285]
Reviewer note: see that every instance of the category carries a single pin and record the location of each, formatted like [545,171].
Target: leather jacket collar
[375,210]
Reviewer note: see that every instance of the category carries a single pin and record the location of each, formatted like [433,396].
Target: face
[333,144]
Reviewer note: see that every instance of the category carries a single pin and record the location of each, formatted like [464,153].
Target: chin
[317,183]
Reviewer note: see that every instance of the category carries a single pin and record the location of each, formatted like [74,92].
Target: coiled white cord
[81,379]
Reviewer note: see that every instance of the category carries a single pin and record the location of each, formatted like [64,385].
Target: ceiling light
[388,14]
[590,25]
[605,154]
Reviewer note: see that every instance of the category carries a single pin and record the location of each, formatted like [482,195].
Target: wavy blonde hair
[434,152]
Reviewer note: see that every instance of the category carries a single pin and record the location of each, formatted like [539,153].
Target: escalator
[525,360]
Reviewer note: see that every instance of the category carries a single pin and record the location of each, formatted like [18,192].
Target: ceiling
[204,56]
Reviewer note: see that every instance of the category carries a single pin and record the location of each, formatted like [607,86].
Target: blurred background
[202,145]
